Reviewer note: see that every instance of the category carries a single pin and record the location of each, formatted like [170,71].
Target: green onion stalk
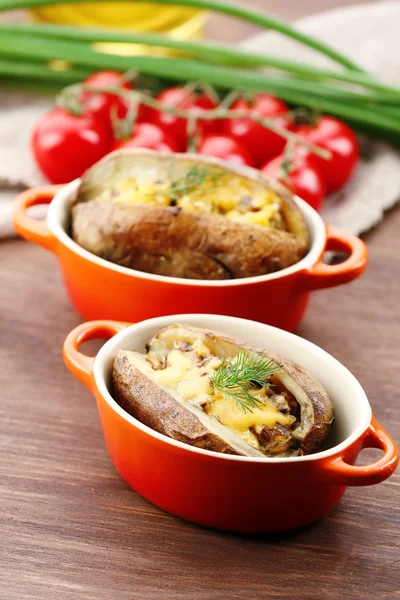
[27,52]
[372,118]
[239,10]
[212,52]
[80,54]
[18,69]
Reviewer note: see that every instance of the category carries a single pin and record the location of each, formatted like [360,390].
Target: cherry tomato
[65,145]
[225,147]
[262,143]
[101,105]
[148,135]
[303,179]
[336,136]
[192,102]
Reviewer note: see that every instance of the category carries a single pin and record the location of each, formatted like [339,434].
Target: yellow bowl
[191,28]
[144,16]
[175,21]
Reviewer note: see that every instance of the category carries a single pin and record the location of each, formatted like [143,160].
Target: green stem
[31,85]
[377,119]
[369,117]
[217,53]
[73,93]
[182,69]
[240,11]
[16,69]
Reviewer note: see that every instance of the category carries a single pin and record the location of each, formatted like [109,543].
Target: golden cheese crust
[321,415]
[156,407]
[176,242]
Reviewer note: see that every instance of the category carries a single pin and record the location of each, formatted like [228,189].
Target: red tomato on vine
[65,145]
[299,175]
[102,104]
[148,135]
[337,137]
[190,101]
[260,142]
[226,148]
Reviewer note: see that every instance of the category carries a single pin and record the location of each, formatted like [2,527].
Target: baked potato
[208,390]
[186,216]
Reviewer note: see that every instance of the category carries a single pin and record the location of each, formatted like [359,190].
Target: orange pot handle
[34,230]
[322,276]
[337,470]
[80,365]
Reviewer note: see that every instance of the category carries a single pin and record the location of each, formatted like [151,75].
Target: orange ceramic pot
[101,289]
[255,495]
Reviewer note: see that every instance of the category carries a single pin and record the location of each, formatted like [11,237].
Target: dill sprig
[236,377]
[192,182]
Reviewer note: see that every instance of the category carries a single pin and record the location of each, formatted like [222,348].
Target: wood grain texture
[70,528]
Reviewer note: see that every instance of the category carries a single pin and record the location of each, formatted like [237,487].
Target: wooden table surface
[71,528]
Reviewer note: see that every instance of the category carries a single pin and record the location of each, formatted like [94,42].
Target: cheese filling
[186,369]
[229,195]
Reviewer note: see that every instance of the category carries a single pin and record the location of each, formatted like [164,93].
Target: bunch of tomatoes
[65,144]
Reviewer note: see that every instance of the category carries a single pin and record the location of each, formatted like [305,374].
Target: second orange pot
[236,493]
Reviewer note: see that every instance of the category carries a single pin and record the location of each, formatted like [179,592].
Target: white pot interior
[352,410]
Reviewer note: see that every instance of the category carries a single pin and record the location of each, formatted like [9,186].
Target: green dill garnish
[192,181]
[236,377]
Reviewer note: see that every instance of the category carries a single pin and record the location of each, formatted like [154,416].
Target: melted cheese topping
[186,373]
[231,196]
[236,419]
[178,365]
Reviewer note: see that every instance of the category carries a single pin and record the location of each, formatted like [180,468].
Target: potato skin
[171,242]
[177,243]
[322,416]
[154,407]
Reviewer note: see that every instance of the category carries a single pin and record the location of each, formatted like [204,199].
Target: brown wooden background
[71,529]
